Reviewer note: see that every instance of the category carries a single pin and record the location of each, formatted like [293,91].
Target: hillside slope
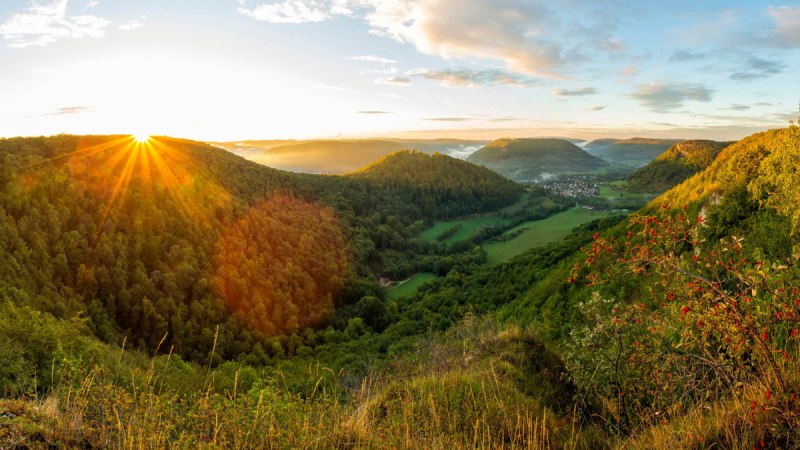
[707,270]
[678,163]
[536,159]
[630,153]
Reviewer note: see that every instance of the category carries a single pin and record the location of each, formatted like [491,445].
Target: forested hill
[536,159]
[439,181]
[678,163]
[631,153]
[175,238]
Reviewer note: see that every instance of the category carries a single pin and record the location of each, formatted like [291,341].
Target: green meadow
[540,232]
[411,285]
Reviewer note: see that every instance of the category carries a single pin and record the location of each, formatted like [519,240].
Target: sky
[223,70]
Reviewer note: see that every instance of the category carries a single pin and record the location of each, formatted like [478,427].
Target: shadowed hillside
[630,153]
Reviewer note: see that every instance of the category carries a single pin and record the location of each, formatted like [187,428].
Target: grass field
[410,286]
[541,232]
[470,225]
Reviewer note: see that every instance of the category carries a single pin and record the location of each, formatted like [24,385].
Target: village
[576,186]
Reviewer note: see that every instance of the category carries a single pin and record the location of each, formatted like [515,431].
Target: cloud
[386,71]
[372,58]
[296,11]
[664,97]
[531,37]
[757,68]
[628,71]
[375,112]
[92,3]
[683,56]
[473,78]
[132,25]
[69,110]
[737,107]
[512,31]
[396,81]
[45,24]
[449,119]
[597,108]
[787,23]
[580,92]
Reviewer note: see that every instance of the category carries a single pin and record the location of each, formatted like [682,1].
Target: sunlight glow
[141,138]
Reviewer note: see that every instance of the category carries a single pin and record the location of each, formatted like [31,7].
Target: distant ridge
[339,156]
[536,159]
[631,153]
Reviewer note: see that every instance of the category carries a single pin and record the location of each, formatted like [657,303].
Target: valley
[389,270]
[399,225]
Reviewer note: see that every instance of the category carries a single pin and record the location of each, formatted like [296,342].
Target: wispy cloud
[374,112]
[394,81]
[685,55]
[386,71]
[597,108]
[449,119]
[45,24]
[737,107]
[757,68]
[296,11]
[580,92]
[664,97]
[132,25]
[69,110]
[473,78]
[372,58]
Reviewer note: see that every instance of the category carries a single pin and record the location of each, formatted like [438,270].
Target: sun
[141,138]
